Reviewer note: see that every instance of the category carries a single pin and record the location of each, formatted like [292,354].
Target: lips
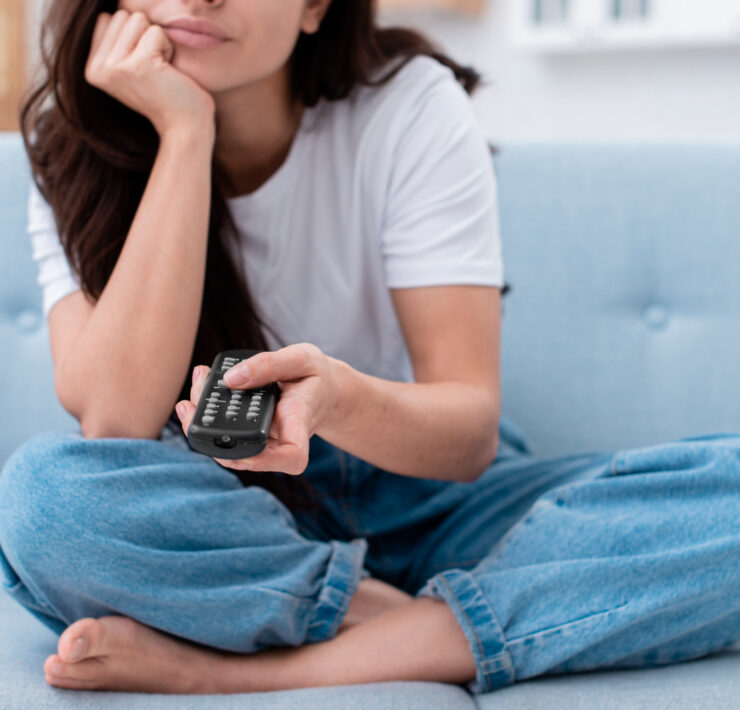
[199,26]
[195,40]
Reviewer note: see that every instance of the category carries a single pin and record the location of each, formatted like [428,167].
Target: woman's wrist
[341,383]
[190,136]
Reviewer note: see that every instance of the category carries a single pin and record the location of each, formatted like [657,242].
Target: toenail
[56,669]
[78,648]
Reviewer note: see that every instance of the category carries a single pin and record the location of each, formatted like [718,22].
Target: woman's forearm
[126,368]
[444,430]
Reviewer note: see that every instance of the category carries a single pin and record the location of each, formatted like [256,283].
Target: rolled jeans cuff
[344,573]
[478,620]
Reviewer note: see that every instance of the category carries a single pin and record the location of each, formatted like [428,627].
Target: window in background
[551,11]
[630,9]
[590,25]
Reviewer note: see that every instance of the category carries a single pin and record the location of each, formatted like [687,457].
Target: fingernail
[195,374]
[180,409]
[78,649]
[237,375]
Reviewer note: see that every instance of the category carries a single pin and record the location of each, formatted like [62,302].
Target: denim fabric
[621,559]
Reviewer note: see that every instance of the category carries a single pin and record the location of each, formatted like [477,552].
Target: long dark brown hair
[93,156]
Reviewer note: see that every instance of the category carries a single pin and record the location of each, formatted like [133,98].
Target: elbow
[488,448]
[97,424]
[98,427]
[487,460]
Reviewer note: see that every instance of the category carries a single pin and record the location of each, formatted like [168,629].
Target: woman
[395,527]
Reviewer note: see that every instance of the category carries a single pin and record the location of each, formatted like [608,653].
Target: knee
[35,487]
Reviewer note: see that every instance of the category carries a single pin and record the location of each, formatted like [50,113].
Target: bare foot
[123,654]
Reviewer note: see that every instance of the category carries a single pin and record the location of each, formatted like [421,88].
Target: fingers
[155,42]
[186,409]
[289,363]
[101,25]
[111,32]
[129,36]
[287,449]
[200,375]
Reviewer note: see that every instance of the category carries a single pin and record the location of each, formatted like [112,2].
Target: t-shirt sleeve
[441,223]
[54,273]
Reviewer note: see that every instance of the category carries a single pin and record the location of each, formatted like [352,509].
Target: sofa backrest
[622,326]
[27,392]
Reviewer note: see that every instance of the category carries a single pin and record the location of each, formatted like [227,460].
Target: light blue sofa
[622,329]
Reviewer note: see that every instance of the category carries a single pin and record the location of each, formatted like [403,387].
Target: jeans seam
[475,633]
[485,662]
[341,580]
[565,624]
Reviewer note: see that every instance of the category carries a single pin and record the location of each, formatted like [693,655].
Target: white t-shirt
[391,187]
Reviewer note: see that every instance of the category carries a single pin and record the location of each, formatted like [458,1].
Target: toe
[87,672]
[81,640]
[72,684]
[53,665]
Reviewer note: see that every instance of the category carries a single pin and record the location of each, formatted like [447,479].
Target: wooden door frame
[13,62]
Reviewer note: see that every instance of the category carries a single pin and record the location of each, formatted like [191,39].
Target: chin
[205,77]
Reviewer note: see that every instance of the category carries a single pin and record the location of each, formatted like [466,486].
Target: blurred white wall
[688,94]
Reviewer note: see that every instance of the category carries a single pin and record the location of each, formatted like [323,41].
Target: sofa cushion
[25,644]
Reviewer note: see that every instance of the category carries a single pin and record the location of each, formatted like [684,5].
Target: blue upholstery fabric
[621,326]
[620,331]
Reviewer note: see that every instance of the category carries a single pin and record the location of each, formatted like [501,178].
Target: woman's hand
[130,59]
[309,395]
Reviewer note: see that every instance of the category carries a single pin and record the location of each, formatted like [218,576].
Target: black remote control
[232,424]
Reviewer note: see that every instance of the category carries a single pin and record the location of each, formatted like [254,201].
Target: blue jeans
[591,561]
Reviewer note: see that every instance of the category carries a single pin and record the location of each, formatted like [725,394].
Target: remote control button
[208,419]
[251,417]
[236,395]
